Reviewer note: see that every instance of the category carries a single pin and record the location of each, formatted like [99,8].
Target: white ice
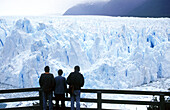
[112,52]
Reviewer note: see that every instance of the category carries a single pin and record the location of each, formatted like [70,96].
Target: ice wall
[113,53]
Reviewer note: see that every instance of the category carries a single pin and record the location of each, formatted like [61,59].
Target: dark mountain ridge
[135,8]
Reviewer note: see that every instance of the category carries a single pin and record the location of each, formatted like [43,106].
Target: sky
[37,7]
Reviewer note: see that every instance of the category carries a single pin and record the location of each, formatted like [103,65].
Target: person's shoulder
[63,77]
[58,77]
[51,74]
[71,73]
[42,74]
[81,74]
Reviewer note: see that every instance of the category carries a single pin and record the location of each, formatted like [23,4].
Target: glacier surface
[112,52]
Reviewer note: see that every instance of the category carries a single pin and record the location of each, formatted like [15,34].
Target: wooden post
[40,99]
[162,102]
[99,104]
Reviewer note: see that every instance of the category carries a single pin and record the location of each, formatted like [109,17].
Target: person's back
[60,89]
[60,85]
[46,82]
[75,80]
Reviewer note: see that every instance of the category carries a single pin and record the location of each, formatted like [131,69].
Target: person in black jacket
[47,82]
[76,81]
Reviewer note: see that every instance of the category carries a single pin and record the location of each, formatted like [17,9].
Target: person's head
[47,69]
[76,68]
[60,72]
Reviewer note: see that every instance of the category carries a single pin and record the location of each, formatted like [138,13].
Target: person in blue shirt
[60,90]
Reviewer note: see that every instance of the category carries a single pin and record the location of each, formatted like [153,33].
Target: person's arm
[69,79]
[53,82]
[40,81]
[65,84]
[82,84]
[65,87]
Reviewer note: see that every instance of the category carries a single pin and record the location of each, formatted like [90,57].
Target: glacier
[112,52]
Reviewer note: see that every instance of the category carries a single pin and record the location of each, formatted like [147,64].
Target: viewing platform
[161,103]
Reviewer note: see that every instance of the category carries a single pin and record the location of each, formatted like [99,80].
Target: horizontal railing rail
[161,103]
[19,90]
[135,92]
[36,107]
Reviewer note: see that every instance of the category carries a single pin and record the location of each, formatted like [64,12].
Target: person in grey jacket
[60,89]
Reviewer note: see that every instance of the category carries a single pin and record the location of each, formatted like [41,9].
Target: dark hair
[76,68]
[47,69]
[60,72]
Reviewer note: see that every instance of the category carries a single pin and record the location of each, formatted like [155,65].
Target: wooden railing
[161,103]
[21,99]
